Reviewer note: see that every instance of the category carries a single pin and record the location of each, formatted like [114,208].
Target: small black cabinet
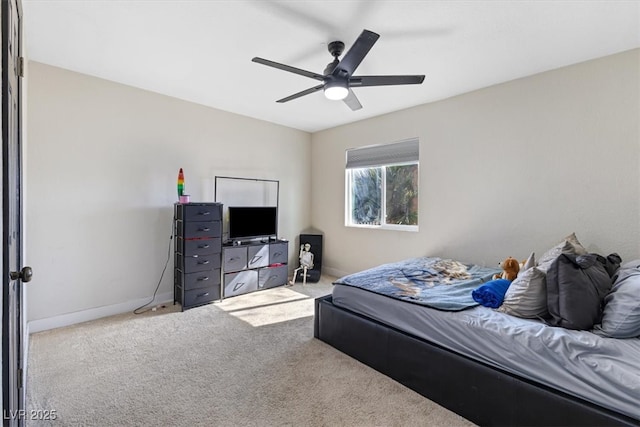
[198,249]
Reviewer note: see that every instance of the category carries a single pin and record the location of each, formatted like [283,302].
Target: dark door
[13,273]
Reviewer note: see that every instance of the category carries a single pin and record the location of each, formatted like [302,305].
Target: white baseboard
[93,313]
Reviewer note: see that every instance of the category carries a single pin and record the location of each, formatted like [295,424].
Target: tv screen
[250,222]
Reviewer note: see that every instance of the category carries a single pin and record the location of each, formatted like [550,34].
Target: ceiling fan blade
[352,101]
[299,94]
[361,81]
[288,68]
[356,53]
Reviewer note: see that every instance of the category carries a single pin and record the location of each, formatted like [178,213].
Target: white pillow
[621,316]
[630,264]
[530,262]
[579,249]
[527,295]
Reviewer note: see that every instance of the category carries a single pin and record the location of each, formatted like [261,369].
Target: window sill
[411,228]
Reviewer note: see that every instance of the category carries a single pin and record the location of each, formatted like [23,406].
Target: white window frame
[383,214]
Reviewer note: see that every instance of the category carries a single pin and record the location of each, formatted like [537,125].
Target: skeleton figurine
[306,263]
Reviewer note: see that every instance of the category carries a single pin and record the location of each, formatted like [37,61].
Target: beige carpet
[250,360]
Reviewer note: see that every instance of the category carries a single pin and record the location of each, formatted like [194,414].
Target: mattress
[604,371]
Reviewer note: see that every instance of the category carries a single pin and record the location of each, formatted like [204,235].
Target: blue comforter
[429,281]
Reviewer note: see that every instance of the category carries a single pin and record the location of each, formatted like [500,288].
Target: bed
[490,367]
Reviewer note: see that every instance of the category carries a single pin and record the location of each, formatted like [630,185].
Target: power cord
[137,310]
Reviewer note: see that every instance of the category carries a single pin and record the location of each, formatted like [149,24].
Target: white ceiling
[201,51]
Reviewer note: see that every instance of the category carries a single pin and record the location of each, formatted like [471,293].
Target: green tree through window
[382,185]
[402,195]
[366,196]
[386,195]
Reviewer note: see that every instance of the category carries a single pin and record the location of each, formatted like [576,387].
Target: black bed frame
[480,393]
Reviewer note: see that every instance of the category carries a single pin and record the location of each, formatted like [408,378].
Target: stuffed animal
[510,267]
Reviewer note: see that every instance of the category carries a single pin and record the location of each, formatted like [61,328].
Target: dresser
[197,253]
[254,266]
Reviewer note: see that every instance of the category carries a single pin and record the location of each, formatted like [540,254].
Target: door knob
[25,274]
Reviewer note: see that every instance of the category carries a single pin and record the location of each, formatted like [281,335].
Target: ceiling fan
[338,78]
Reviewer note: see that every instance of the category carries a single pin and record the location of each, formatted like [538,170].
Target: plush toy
[510,267]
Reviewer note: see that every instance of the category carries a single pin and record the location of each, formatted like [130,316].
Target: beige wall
[102,162]
[504,171]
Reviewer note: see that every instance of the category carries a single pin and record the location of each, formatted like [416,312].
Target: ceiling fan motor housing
[339,80]
[336,48]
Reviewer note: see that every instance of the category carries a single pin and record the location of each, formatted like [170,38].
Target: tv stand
[249,242]
[253,266]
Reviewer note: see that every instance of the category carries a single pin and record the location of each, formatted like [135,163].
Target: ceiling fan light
[335,91]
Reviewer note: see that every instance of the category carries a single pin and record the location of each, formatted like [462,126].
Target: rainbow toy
[180,183]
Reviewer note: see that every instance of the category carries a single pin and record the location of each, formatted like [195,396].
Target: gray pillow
[621,316]
[527,295]
[576,288]
[568,245]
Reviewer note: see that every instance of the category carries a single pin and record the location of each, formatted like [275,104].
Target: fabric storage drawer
[201,279]
[235,259]
[195,263]
[197,254]
[201,296]
[201,247]
[279,253]
[272,276]
[240,283]
[191,230]
[198,212]
[258,256]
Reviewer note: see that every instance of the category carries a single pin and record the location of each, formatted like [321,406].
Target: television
[249,222]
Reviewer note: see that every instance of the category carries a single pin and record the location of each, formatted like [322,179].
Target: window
[382,186]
